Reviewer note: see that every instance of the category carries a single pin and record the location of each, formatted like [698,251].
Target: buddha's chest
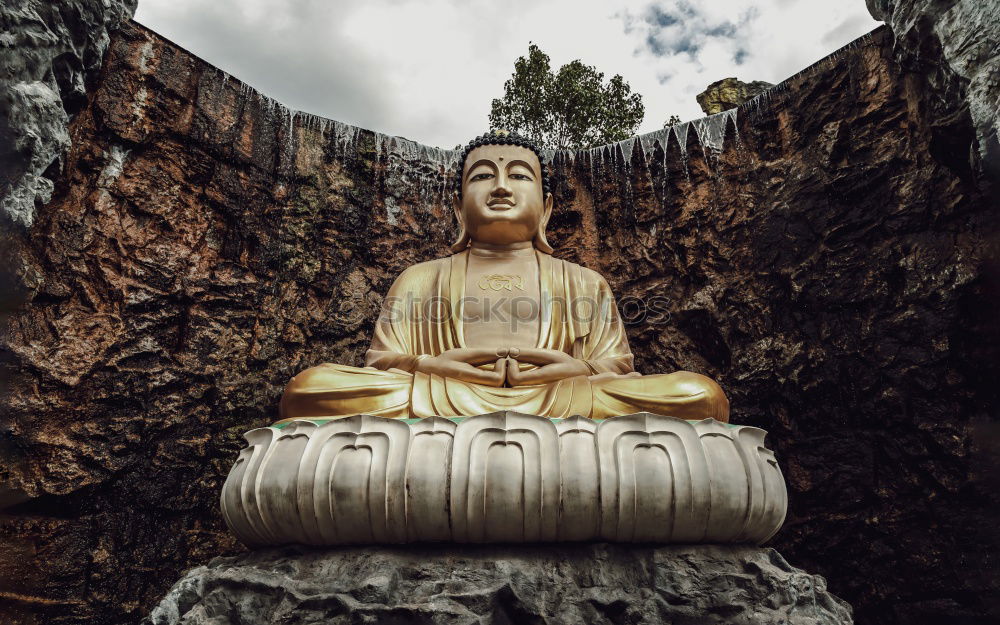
[501,307]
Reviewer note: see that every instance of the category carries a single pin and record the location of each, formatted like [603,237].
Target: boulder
[437,584]
[729,93]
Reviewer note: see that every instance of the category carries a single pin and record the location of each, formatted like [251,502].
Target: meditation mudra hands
[464,364]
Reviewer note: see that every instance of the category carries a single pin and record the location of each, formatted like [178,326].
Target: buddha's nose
[501,188]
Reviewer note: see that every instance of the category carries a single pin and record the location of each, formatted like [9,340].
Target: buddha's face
[502,201]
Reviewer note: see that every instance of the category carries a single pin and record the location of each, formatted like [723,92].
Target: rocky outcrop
[729,93]
[829,263]
[470,585]
[48,53]
[954,44]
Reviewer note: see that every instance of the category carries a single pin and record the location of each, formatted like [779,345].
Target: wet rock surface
[701,585]
[954,44]
[826,253]
[50,51]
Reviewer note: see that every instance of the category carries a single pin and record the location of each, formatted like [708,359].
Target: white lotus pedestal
[505,477]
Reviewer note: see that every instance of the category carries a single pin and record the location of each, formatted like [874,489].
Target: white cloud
[429,70]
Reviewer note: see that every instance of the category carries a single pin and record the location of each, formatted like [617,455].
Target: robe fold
[423,316]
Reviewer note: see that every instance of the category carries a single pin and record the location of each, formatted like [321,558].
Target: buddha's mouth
[500,205]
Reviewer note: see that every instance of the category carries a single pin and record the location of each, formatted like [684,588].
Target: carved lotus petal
[505,477]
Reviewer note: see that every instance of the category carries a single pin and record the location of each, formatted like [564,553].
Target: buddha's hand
[462,364]
[553,365]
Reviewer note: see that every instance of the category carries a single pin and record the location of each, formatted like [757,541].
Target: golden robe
[423,317]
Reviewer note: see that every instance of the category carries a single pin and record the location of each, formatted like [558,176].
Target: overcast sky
[428,70]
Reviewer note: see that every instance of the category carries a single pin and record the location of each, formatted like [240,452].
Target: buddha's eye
[482,176]
[520,176]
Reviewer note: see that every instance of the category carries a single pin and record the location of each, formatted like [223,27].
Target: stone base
[584,583]
[505,477]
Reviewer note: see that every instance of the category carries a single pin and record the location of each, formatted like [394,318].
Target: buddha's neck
[512,250]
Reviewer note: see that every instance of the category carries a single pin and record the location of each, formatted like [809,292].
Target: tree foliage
[570,109]
[672,121]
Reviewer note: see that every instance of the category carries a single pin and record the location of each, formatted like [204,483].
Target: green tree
[570,109]
[673,121]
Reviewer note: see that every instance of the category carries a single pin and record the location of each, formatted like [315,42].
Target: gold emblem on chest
[500,282]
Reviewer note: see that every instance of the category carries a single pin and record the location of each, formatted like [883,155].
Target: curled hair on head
[502,137]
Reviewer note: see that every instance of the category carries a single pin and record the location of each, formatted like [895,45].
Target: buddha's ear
[462,241]
[541,244]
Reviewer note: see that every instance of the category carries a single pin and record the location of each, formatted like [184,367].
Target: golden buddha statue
[500,324]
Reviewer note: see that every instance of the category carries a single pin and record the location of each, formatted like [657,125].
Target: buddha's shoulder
[585,274]
[425,269]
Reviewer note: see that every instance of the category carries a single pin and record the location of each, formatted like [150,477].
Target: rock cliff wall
[49,53]
[954,44]
[825,249]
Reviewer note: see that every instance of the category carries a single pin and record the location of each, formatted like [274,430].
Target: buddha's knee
[319,376]
[310,387]
[713,400]
[331,390]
